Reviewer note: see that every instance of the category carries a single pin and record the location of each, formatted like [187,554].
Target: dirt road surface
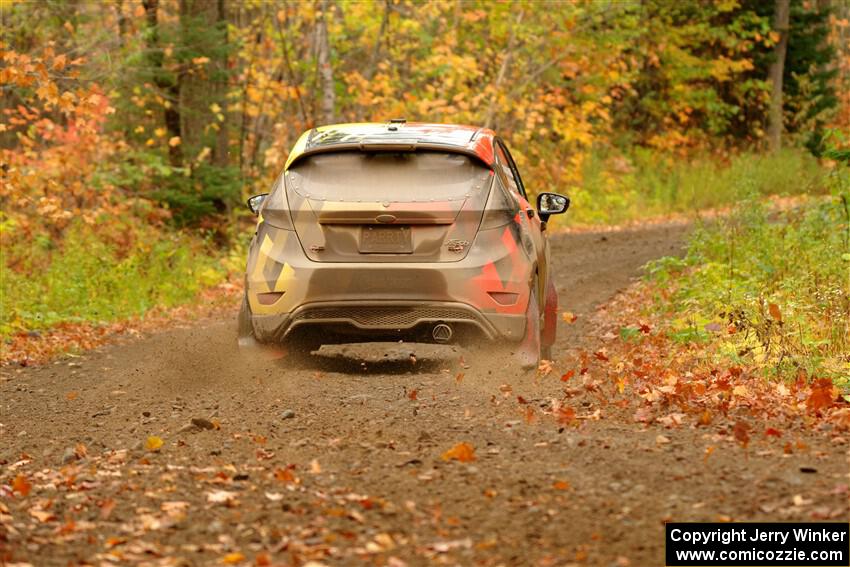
[338,460]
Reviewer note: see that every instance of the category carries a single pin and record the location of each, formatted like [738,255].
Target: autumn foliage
[131,132]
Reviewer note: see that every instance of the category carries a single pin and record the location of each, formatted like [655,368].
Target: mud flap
[550,317]
[528,351]
[244,327]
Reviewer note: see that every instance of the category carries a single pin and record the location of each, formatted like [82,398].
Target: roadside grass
[87,278]
[772,288]
[617,190]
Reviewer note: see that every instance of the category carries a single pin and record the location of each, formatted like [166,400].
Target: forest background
[131,133]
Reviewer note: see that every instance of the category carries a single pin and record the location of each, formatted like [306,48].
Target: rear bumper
[388,318]
[380,298]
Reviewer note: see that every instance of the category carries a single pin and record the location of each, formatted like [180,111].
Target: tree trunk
[168,85]
[325,69]
[221,153]
[777,68]
[503,70]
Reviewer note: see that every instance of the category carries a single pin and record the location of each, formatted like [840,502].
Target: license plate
[385,240]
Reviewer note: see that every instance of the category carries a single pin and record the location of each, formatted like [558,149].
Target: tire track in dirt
[365,477]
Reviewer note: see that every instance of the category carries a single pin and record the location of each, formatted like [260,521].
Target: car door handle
[529,213]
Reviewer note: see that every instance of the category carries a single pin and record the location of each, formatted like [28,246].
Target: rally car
[401,231]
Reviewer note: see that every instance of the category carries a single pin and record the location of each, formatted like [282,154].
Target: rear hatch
[387,206]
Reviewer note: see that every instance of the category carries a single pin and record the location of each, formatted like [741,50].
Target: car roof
[396,134]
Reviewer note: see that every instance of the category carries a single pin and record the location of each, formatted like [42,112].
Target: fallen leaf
[42,515]
[233,558]
[741,432]
[800,501]
[463,452]
[661,440]
[221,497]
[284,475]
[566,415]
[459,377]
[153,443]
[775,312]
[821,395]
[569,317]
[561,485]
[567,375]
[21,485]
[106,508]
[413,394]
[72,395]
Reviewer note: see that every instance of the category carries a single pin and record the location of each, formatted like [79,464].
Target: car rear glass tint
[392,176]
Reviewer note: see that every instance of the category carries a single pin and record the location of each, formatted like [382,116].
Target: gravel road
[338,460]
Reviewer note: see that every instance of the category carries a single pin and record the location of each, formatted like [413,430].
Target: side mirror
[549,204]
[255,202]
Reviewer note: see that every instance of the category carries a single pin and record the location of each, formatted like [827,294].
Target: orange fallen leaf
[413,394]
[566,415]
[284,475]
[233,558]
[106,508]
[705,418]
[463,452]
[72,395]
[42,515]
[262,559]
[21,485]
[459,377]
[561,485]
[775,312]
[741,432]
[567,375]
[821,395]
[771,432]
[153,443]
[569,317]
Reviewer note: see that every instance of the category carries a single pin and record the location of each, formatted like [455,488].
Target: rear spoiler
[395,145]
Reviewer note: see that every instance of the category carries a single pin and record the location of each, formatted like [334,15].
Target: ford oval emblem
[385,219]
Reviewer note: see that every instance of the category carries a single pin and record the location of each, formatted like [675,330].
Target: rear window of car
[397,176]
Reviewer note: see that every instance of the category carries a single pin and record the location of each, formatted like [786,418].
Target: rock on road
[339,461]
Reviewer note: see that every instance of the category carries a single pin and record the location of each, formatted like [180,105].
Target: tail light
[501,207]
[275,210]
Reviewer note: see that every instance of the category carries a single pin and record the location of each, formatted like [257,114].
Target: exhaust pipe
[441,333]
